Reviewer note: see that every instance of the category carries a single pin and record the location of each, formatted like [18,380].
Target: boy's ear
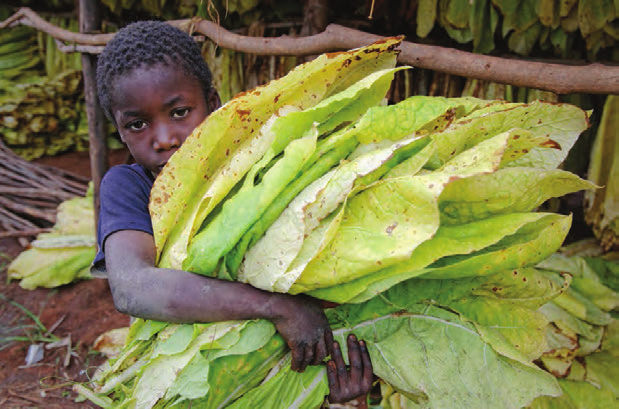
[213,102]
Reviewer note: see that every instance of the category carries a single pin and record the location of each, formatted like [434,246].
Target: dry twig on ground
[30,195]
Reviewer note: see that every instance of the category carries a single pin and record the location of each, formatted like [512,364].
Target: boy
[156,88]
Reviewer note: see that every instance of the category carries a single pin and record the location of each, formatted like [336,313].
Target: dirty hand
[305,329]
[345,384]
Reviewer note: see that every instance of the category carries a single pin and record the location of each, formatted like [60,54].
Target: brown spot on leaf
[243,113]
[399,313]
[277,98]
[392,227]
[333,55]
[551,144]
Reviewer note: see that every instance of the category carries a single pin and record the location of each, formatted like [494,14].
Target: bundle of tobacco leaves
[417,218]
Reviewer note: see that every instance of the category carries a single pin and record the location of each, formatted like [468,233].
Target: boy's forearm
[142,290]
[179,296]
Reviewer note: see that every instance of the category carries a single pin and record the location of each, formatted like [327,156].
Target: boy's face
[156,108]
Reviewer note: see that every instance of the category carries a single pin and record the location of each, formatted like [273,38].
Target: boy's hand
[305,329]
[345,385]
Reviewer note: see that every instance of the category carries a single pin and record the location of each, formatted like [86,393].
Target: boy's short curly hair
[148,43]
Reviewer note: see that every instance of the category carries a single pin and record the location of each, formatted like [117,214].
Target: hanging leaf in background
[484,19]
[454,17]
[426,16]
[601,206]
[518,15]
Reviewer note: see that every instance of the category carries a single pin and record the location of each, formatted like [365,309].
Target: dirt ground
[81,311]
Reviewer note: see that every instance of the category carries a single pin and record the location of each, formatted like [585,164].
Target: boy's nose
[166,139]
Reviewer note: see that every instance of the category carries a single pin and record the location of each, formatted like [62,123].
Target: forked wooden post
[90,22]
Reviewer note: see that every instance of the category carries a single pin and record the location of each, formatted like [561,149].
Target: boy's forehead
[153,81]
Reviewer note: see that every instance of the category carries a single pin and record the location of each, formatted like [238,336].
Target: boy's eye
[180,112]
[136,125]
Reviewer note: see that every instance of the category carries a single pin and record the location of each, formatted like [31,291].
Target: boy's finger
[354,358]
[329,341]
[321,353]
[338,359]
[332,376]
[308,357]
[368,371]
[298,354]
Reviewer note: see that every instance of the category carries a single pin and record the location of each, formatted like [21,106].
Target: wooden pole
[90,21]
[558,78]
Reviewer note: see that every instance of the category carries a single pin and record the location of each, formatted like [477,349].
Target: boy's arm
[142,290]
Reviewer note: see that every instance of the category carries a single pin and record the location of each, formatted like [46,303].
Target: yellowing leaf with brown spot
[206,168]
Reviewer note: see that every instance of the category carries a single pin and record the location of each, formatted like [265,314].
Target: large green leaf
[161,372]
[231,376]
[327,160]
[502,306]
[429,352]
[585,280]
[583,308]
[215,378]
[267,263]
[288,389]
[566,322]
[528,246]
[577,395]
[560,123]
[247,205]
[178,365]
[241,211]
[505,191]
[374,233]
[449,240]
[397,121]
[191,185]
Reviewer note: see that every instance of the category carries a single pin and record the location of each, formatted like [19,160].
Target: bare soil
[81,311]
